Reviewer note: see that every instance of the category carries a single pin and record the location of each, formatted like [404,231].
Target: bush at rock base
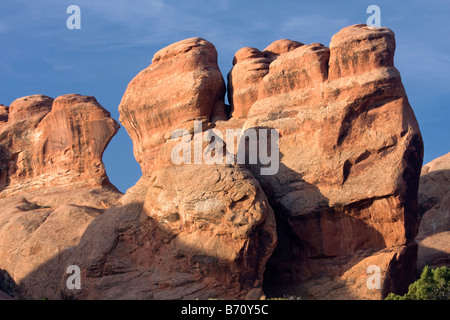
[434,284]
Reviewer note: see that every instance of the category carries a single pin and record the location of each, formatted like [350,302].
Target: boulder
[4,296]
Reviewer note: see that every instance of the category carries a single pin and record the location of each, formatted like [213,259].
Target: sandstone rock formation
[169,240]
[183,83]
[182,232]
[6,285]
[344,198]
[434,201]
[351,153]
[54,142]
[53,184]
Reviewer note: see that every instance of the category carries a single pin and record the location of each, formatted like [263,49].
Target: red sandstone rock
[344,198]
[4,110]
[250,66]
[53,185]
[350,151]
[24,115]
[434,200]
[359,49]
[4,296]
[434,182]
[50,142]
[182,83]
[23,109]
[279,47]
[182,232]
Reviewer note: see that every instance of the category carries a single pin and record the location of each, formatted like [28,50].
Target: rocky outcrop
[434,183]
[342,200]
[350,156]
[182,232]
[182,84]
[345,194]
[48,142]
[434,202]
[53,185]
[250,66]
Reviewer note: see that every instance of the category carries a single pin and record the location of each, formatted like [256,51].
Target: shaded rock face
[169,241]
[3,113]
[53,185]
[434,202]
[350,157]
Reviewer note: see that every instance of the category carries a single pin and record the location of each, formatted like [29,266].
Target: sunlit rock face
[350,156]
[52,185]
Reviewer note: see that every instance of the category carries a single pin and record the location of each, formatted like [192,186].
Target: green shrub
[434,284]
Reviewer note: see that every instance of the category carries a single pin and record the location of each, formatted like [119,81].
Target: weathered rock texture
[53,184]
[183,83]
[351,153]
[434,202]
[48,142]
[182,232]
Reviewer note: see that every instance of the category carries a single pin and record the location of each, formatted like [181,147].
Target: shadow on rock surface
[321,249]
[126,254]
[8,288]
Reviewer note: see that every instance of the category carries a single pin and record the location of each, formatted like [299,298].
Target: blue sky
[39,55]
